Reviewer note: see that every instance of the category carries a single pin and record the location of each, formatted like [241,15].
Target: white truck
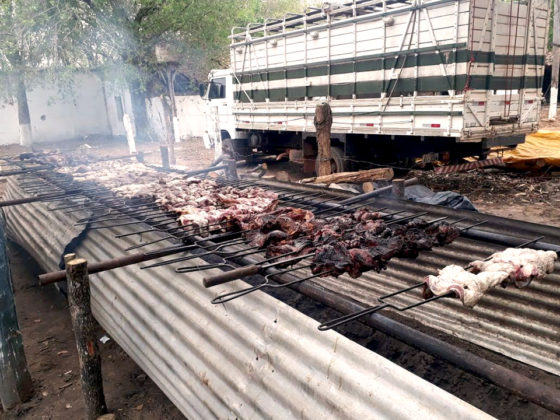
[437,79]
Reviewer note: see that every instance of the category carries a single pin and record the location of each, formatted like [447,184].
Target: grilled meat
[344,244]
[514,265]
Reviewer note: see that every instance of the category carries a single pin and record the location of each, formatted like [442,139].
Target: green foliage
[46,39]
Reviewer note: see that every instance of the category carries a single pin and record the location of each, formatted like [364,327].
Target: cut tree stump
[360,176]
[323,123]
[368,187]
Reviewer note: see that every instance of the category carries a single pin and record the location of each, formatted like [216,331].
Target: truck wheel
[337,160]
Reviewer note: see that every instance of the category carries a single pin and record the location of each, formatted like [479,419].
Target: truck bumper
[510,140]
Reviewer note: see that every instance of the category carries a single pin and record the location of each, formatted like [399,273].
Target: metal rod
[123,261]
[226,297]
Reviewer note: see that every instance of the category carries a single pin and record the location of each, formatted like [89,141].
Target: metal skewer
[384,305]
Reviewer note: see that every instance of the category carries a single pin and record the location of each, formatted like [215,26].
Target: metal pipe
[23,171]
[56,276]
[206,170]
[38,198]
[507,240]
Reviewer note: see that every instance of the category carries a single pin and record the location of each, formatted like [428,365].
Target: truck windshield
[217,89]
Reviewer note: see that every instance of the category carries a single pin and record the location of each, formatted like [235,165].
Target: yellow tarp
[540,149]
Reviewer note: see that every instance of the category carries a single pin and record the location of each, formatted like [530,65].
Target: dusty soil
[545,123]
[508,194]
[53,361]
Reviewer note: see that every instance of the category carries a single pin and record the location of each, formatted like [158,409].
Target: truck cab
[219,120]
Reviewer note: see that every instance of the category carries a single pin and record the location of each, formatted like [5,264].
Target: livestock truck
[436,79]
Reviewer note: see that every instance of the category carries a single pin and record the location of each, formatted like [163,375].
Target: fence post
[16,385]
[84,324]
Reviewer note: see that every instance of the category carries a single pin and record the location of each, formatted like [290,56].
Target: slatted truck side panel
[465,70]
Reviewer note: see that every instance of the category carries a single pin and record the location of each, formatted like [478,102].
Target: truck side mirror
[202,89]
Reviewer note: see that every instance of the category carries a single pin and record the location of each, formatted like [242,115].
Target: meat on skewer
[519,266]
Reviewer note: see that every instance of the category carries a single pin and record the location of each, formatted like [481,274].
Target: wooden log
[368,187]
[323,123]
[360,176]
[16,385]
[231,170]
[67,259]
[84,325]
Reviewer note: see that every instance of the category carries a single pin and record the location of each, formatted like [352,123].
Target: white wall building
[93,108]
[90,109]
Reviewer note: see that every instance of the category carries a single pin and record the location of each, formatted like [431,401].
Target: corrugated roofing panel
[252,358]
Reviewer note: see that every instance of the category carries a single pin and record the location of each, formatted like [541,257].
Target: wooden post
[169,130]
[555,61]
[164,156]
[129,130]
[84,324]
[323,123]
[16,385]
[231,170]
[398,188]
[68,258]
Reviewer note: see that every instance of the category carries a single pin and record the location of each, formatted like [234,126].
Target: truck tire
[337,161]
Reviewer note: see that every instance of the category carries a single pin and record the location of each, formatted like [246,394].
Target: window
[120,109]
[217,89]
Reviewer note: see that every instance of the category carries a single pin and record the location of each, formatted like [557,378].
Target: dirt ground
[53,361]
[508,194]
[49,342]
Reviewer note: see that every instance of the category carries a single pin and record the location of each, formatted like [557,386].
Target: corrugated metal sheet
[252,358]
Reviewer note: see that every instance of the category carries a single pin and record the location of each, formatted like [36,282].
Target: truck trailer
[436,79]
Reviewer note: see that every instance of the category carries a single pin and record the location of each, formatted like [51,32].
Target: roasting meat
[299,246]
[199,204]
[466,286]
[349,244]
[519,266]
[522,264]
[371,244]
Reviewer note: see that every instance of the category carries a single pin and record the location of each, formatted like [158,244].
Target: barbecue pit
[521,324]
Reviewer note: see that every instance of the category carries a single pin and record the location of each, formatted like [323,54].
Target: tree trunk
[25,135]
[323,123]
[170,138]
[138,99]
[15,382]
